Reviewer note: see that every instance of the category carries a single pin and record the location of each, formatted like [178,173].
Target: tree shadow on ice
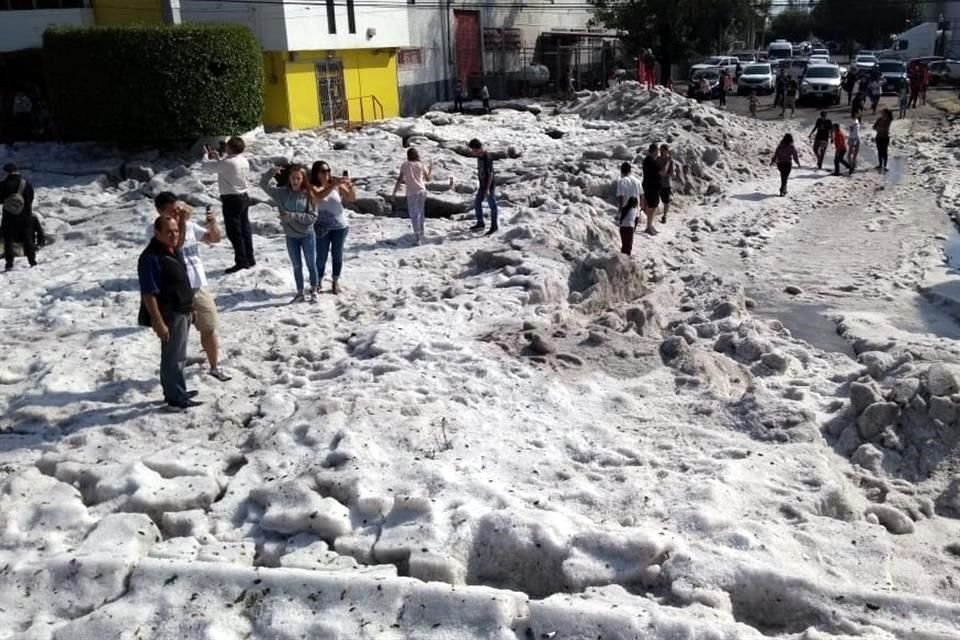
[753,197]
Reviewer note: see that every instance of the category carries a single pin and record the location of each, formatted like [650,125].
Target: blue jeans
[173,357]
[331,241]
[478,208]
[308,246]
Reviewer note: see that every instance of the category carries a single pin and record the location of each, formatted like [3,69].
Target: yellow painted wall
[276,109]
[366,72]
[115,13]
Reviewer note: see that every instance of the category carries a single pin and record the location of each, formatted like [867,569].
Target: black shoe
[250,265]
[233,269]
[184,404]
[192,394]
[478,227]
[492,231]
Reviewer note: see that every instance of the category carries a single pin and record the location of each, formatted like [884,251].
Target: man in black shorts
[665,162]
[821,137]
[651,187]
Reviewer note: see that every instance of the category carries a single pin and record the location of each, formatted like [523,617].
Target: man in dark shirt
[485,192]
[17,224]
[166,305]
[821,137]
[652,184]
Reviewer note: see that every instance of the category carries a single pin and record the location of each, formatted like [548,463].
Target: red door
[467,41]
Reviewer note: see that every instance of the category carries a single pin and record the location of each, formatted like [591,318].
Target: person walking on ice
[17,226]
[486,192]
[782,157]
[332,224]
[232,172]
[414,177]
[652,183]
[840,151]
[853,142]
[205,317]
[629,217]
[166,304]
[298,213]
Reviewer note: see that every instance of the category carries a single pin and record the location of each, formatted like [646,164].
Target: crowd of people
[846,146]
[173,283]
[644,196]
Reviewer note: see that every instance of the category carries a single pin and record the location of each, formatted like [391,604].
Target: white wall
[291,27]
[307,27]
[24,29]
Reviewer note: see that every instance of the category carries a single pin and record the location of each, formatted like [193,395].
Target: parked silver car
[756,77]
[821,82]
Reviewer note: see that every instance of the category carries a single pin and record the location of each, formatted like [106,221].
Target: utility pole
[171,12]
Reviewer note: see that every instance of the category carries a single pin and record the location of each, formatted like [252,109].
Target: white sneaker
[311,297]
[220,374]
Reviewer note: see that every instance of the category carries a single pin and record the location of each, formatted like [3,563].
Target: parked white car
[718,63]
[756,77]
[821,82]
[865,63]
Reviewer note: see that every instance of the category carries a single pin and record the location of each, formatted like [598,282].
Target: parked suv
[894,75]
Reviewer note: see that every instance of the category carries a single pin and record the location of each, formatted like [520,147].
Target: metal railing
[369,105]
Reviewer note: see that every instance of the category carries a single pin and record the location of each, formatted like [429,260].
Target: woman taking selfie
[332,225]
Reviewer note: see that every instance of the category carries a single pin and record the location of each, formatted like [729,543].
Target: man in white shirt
[232,172]
[204,307]
[627,187]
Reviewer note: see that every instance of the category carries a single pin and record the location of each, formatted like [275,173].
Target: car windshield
[709,74]
[823,72]
[757,70]
[867,59]
[712,61]
[892,67]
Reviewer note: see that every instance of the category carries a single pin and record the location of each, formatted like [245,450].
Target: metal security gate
[333,98]
[468,48]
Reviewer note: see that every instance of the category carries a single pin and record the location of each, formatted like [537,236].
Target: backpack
[14,203]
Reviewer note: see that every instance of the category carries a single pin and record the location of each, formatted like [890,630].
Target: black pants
[626,239]
[883,150]
[458,104]
[839,159]
[723,98]
[486,105]
[820,150]
[236,219]
[785,169]
[22,234]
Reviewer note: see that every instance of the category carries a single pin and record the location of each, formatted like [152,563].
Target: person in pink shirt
[414,176]
[782,157]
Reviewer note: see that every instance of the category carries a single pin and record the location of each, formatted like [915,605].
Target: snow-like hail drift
[524,436]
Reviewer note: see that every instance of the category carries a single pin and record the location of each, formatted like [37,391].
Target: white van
[779,50]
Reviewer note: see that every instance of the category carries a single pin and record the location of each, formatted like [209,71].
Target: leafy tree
[870,22]
[675,29]
[793,25]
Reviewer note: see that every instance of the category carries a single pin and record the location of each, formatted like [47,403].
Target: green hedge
[153,83]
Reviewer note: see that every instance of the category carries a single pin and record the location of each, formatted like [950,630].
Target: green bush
[153,83]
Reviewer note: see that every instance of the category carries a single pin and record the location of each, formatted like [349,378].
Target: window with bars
[28,5]
[410,57]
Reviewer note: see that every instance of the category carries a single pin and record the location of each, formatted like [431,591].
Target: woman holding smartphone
[332,223]
[298,212]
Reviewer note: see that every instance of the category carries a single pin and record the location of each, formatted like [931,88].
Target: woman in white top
[414,176]
[853,142]
[332,224]
[629,216]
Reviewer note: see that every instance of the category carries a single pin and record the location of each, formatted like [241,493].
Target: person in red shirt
[840,151]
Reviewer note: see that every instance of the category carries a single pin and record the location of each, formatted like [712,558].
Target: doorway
[330,91]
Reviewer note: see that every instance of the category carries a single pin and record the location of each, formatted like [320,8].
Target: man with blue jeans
[485,192]
[167,306]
